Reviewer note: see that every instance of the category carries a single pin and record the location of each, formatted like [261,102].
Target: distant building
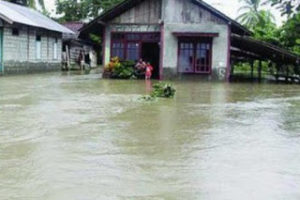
[29,41]
[180,37]
[74,48]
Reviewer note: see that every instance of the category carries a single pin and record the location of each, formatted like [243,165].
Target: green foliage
[160,90]
[30,3]
[245,68]
[95,38]
[74,10]
[71,9]
[265,29]
[124,71]
[286,7]
[289,34]
[250,16]
[163,90]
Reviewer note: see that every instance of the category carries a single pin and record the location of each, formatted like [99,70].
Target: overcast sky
[229,7]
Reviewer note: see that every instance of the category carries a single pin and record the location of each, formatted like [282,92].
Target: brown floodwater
[79,137]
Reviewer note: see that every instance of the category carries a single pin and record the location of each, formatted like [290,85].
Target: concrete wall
[19,51]
[183,16]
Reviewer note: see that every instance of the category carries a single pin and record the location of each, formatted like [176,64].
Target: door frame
[195,41]
[155,75]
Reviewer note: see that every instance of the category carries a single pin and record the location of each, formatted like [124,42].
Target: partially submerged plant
[114,63]
[118,69]
[124,71]
[160,90]
[163,90]
[147,98]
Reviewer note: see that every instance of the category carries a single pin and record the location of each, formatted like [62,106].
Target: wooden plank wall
[147,12]
[186,12]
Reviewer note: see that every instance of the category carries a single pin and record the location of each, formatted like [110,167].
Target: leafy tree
[287,7]
[99,6]
[265,29]
[256,19]
[30,3]
[72,10]
[289,33]
[82,10]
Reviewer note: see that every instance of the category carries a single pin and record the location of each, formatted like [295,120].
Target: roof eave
[6,19]
[221,15]
[108,14]
[129,3]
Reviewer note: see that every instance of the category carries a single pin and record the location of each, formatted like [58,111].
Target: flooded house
[176,36]
[75,48]
[179,37]
[29,41]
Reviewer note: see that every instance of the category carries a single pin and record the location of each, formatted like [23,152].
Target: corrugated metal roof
[13,13]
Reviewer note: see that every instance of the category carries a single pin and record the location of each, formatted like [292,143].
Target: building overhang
[195,34]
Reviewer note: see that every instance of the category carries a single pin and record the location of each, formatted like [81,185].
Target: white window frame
[55,52]
[38,46]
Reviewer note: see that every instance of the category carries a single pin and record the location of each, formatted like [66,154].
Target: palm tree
[250,16]
[253,16]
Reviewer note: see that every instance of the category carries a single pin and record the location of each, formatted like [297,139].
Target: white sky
[229,7]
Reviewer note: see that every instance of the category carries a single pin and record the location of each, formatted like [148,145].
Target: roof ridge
[13,13]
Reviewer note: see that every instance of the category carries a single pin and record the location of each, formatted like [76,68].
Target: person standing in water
[148,72]
[140,68]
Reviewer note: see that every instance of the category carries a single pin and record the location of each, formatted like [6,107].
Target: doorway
[151,53]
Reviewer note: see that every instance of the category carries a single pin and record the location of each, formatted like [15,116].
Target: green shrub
[124,71]
[163,90]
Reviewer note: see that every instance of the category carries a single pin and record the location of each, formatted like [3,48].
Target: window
[127,46]
[55,49]
[132,51]
[15,32]
[38,47]
[186,57]
[202,64]
[195,56]
[118,50]
[133,36]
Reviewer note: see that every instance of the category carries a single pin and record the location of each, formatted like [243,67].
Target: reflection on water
[79,137]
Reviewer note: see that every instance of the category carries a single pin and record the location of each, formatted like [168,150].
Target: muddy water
[76,137]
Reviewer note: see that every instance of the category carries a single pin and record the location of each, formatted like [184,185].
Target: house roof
[128,4]
[74,26]
[13,13]
[248,47]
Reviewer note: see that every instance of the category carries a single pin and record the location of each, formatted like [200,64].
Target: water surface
[78,137]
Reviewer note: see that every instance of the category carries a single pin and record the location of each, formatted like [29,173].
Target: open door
[151,53]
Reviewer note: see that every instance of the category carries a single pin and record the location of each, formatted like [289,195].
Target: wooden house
[74,48]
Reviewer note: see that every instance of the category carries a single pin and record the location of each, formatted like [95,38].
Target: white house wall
[183,16]
[19,52]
